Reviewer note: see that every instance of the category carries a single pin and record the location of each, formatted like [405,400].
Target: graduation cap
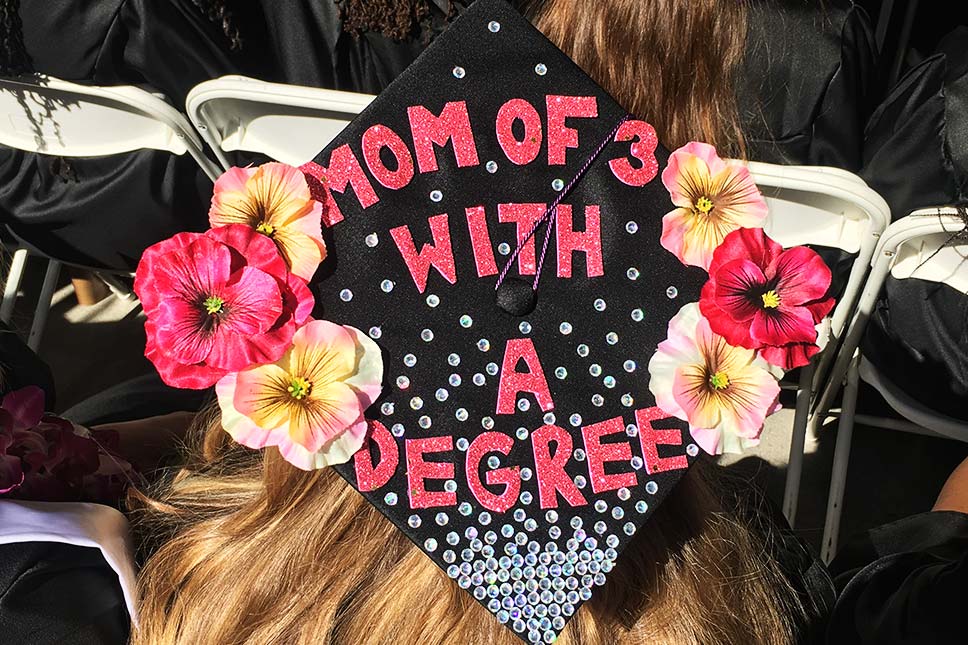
[493,225]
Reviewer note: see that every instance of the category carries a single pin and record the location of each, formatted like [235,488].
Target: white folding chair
[921,245]
[289,123]
[56,117]
[833,208]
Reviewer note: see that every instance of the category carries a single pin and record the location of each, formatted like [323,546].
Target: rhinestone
[416,403]
[479,379]
[387,286]
[521,433]
[524,405]
[458,73]
[371,240]
[580,481]
[641,507]
[651,488]
[618,513]
[409,360]
[465,509]
[453,360]
[672,292]
[387,408]
[600,527]
[492,369]
[461,414]
[540,69]
[479,592]
[430,544]
[575,419]
[519,515]
[504,248]
[575,523]
[471,534]
[462,443]
[554,532]
[465,321]
[450,486]
[441,519]
[611,338]
[424,422]
[629,528]
[345,295]
[483,345]
[550,418]
[441,394]
[631,227]
[487,423]
[599,305]
[632,273]
[454,380]
[631,430]
[494,26]
[525,474]
[627,400]
[629,366]
[595,369]
[530,524]
[491,166]
[484,518]
[449,557]
[524,327]
[403,382]
[551,517]
[638,315]
[636,463]
[598,400]
[609,382]
[453,571]
[413,521]
[557,184]
[565,328]
[432,300]
[692,450]
[601,506]
[390,498]
[375,333]
[427,335]
[397,429]
[561,373]
[582,350]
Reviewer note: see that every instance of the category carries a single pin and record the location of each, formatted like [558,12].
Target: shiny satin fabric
[104,211]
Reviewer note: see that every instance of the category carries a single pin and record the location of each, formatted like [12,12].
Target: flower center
[704,205]
[771,300]
[299,388]
[213,305]
[719,381]
[265,228]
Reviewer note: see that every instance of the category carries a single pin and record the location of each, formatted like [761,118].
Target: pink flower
[273,199]
[309,403]
[713,198]
[216,303]
[724,392]
[761,297]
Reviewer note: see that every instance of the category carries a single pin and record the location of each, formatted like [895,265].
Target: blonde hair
[252,550]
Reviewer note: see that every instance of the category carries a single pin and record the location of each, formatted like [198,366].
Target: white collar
[90,525]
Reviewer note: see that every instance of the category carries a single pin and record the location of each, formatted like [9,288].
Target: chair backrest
[289,123]
[57,117]
[927,246]
[828,207]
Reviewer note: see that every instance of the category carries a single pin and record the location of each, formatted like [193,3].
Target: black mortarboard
[519,448]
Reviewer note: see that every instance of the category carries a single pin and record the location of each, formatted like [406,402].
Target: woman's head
[670,62]
[248,549]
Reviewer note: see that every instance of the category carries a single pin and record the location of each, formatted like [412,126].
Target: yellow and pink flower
[724,392]
[309,403]
[273,199]
[713,198]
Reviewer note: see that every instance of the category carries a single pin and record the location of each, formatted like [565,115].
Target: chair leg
[791,492]
[838,476]
[43,304]
[12,285]
[117,287]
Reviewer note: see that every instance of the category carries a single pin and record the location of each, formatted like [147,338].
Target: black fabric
[138,398]
[103,212]
[903,583]
[20,367]
[366,283]
[807,82]
[59,593]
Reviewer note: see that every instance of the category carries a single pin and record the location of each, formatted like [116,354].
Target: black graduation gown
[113,207]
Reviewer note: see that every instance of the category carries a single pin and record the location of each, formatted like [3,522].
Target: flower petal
[791,355]
[737,283]
[231,202]
[752,244]
[253,302]
[303,253]
[368,379]
[240,427]
[801,275]
[323,352]
[338,450]
[326,413]
[25,407]
[262,395]
[783,325]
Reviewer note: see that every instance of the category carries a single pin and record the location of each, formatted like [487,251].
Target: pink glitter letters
[560,136]
[650,438]
[371,477]
[375,139]
[524,151]
[514,382]
[483,444]
[525,216]
[589,241]
[418,470]
[438,255]
[599,453]
[644,142]
[453,124]
[481,241]
[550,470]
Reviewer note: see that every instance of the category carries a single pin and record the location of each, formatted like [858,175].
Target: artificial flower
[724,392]
[310,402]
[217,302]
[761,297]
[273,199]
[713,198]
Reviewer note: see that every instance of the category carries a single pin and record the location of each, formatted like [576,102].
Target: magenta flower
[216,303]
[761,297]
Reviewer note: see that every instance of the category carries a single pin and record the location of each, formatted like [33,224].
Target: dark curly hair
[218,12]
[398,20]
